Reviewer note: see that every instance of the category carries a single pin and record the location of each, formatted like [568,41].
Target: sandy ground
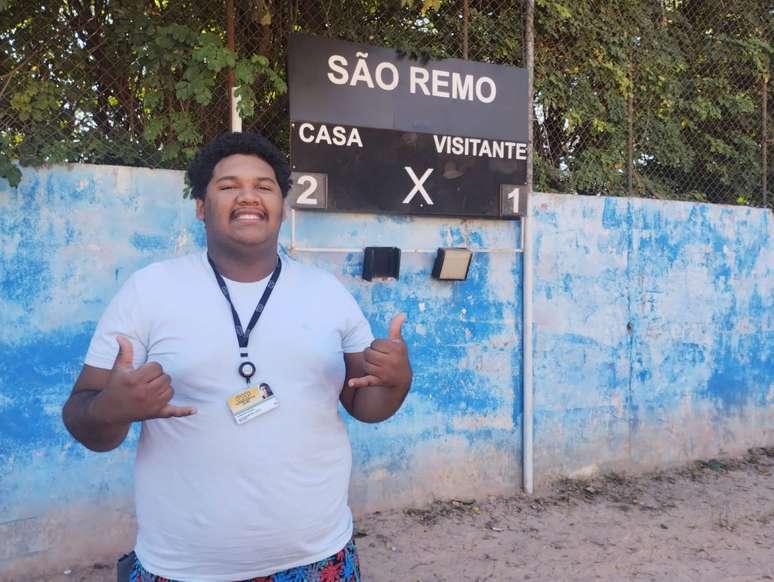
[710,521]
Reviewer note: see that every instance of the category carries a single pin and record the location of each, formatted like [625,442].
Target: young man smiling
[230,485]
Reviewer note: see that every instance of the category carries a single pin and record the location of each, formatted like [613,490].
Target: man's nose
[248,194]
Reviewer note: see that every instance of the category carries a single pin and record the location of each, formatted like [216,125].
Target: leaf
[9,171]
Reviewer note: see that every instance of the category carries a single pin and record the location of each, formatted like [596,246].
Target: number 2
[306,195]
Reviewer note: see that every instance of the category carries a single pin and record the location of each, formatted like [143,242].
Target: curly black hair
[228,144]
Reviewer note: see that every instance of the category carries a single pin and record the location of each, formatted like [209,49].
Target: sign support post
[526,225]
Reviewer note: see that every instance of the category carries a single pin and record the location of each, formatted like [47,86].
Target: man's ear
[200,209]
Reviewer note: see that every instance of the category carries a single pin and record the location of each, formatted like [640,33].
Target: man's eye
[228,187]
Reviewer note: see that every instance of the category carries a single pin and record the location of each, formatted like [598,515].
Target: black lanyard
[247,368]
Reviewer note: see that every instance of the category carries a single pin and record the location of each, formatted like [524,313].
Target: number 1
[514,195]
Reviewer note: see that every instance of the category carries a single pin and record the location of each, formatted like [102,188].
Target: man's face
[243,204]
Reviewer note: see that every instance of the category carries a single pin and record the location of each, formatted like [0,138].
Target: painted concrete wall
[654,332]
[653,344]
[70,236]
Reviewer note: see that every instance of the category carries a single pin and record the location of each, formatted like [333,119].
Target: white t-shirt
[218,501]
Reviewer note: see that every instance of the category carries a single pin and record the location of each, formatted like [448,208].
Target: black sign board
[376,132]
[395,172]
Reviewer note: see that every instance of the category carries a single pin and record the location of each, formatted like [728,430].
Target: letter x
[418,187]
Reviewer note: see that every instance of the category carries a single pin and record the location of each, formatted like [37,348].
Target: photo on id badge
[254,401]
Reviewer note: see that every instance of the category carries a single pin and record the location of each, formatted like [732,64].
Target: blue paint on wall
[66,240]
[743,367]
[669,318]
[653,331]
[34,378]
[72,235]
[25,275]
[149,242]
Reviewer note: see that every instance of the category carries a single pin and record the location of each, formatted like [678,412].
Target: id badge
[254,401]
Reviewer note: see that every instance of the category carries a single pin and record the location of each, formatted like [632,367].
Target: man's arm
[87,426]
[104,403]
[378,378]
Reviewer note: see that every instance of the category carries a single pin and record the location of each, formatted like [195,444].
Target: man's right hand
[135,394]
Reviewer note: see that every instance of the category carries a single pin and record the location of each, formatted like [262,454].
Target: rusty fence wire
[665,99]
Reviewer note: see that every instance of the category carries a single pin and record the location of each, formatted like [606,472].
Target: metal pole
[465,26]
[765,138]
[529,57]
[630,138]
[235,122]
[526,345]
[526,221]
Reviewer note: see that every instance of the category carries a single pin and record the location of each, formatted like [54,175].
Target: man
[228,488]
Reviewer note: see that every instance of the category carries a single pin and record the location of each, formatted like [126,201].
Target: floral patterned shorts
[342,566]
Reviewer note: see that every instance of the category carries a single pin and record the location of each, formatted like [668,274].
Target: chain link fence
[661,99]
[653,98]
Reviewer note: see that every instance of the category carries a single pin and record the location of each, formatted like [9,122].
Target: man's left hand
[386,361]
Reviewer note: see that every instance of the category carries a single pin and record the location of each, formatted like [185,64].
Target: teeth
[248,217]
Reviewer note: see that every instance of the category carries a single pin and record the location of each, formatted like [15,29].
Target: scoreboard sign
[372,131]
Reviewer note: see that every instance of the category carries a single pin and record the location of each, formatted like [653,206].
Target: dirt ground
[710,521]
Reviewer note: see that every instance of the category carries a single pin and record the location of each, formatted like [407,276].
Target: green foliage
[117,83]
[8,170]
[145,83]
[692,70]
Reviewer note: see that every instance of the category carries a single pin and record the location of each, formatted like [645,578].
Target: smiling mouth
[248,216]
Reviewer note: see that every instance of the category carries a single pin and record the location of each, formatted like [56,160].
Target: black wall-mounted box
[381,263]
